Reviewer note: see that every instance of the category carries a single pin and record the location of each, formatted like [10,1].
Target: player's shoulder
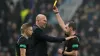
[22,39]
[76,38]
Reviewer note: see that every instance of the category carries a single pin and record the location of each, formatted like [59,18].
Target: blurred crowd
[13,13]
[87,18]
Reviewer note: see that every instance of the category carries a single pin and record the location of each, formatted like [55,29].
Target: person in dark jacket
[39,39]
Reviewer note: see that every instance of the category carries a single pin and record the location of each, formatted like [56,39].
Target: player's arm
[59,19]
[22,52]
[22,46]
[72,53]
[39,35]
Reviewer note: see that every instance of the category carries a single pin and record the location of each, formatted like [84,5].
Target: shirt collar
[25,36]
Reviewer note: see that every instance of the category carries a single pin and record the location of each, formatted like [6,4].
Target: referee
[71,46]
[22,46]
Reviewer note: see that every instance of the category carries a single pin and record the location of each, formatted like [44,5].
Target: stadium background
[15,12]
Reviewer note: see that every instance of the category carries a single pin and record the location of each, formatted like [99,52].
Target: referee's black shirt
[40,41]
[21,43]
[27,43]
[72,44]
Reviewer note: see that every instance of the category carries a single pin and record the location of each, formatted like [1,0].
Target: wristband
[56,12]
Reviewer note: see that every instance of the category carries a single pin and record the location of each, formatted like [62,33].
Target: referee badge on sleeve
[75,46]
[22,46]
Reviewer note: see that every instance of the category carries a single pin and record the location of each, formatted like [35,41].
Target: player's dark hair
[72,24]
[25,26]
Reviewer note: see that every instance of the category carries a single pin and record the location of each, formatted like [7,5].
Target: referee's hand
[68,38]
[55,9]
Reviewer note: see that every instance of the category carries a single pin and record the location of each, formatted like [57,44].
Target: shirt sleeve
[39,35]
[75,44]
[22,43]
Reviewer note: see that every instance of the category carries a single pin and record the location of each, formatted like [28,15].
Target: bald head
[40,17]
[41,20]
